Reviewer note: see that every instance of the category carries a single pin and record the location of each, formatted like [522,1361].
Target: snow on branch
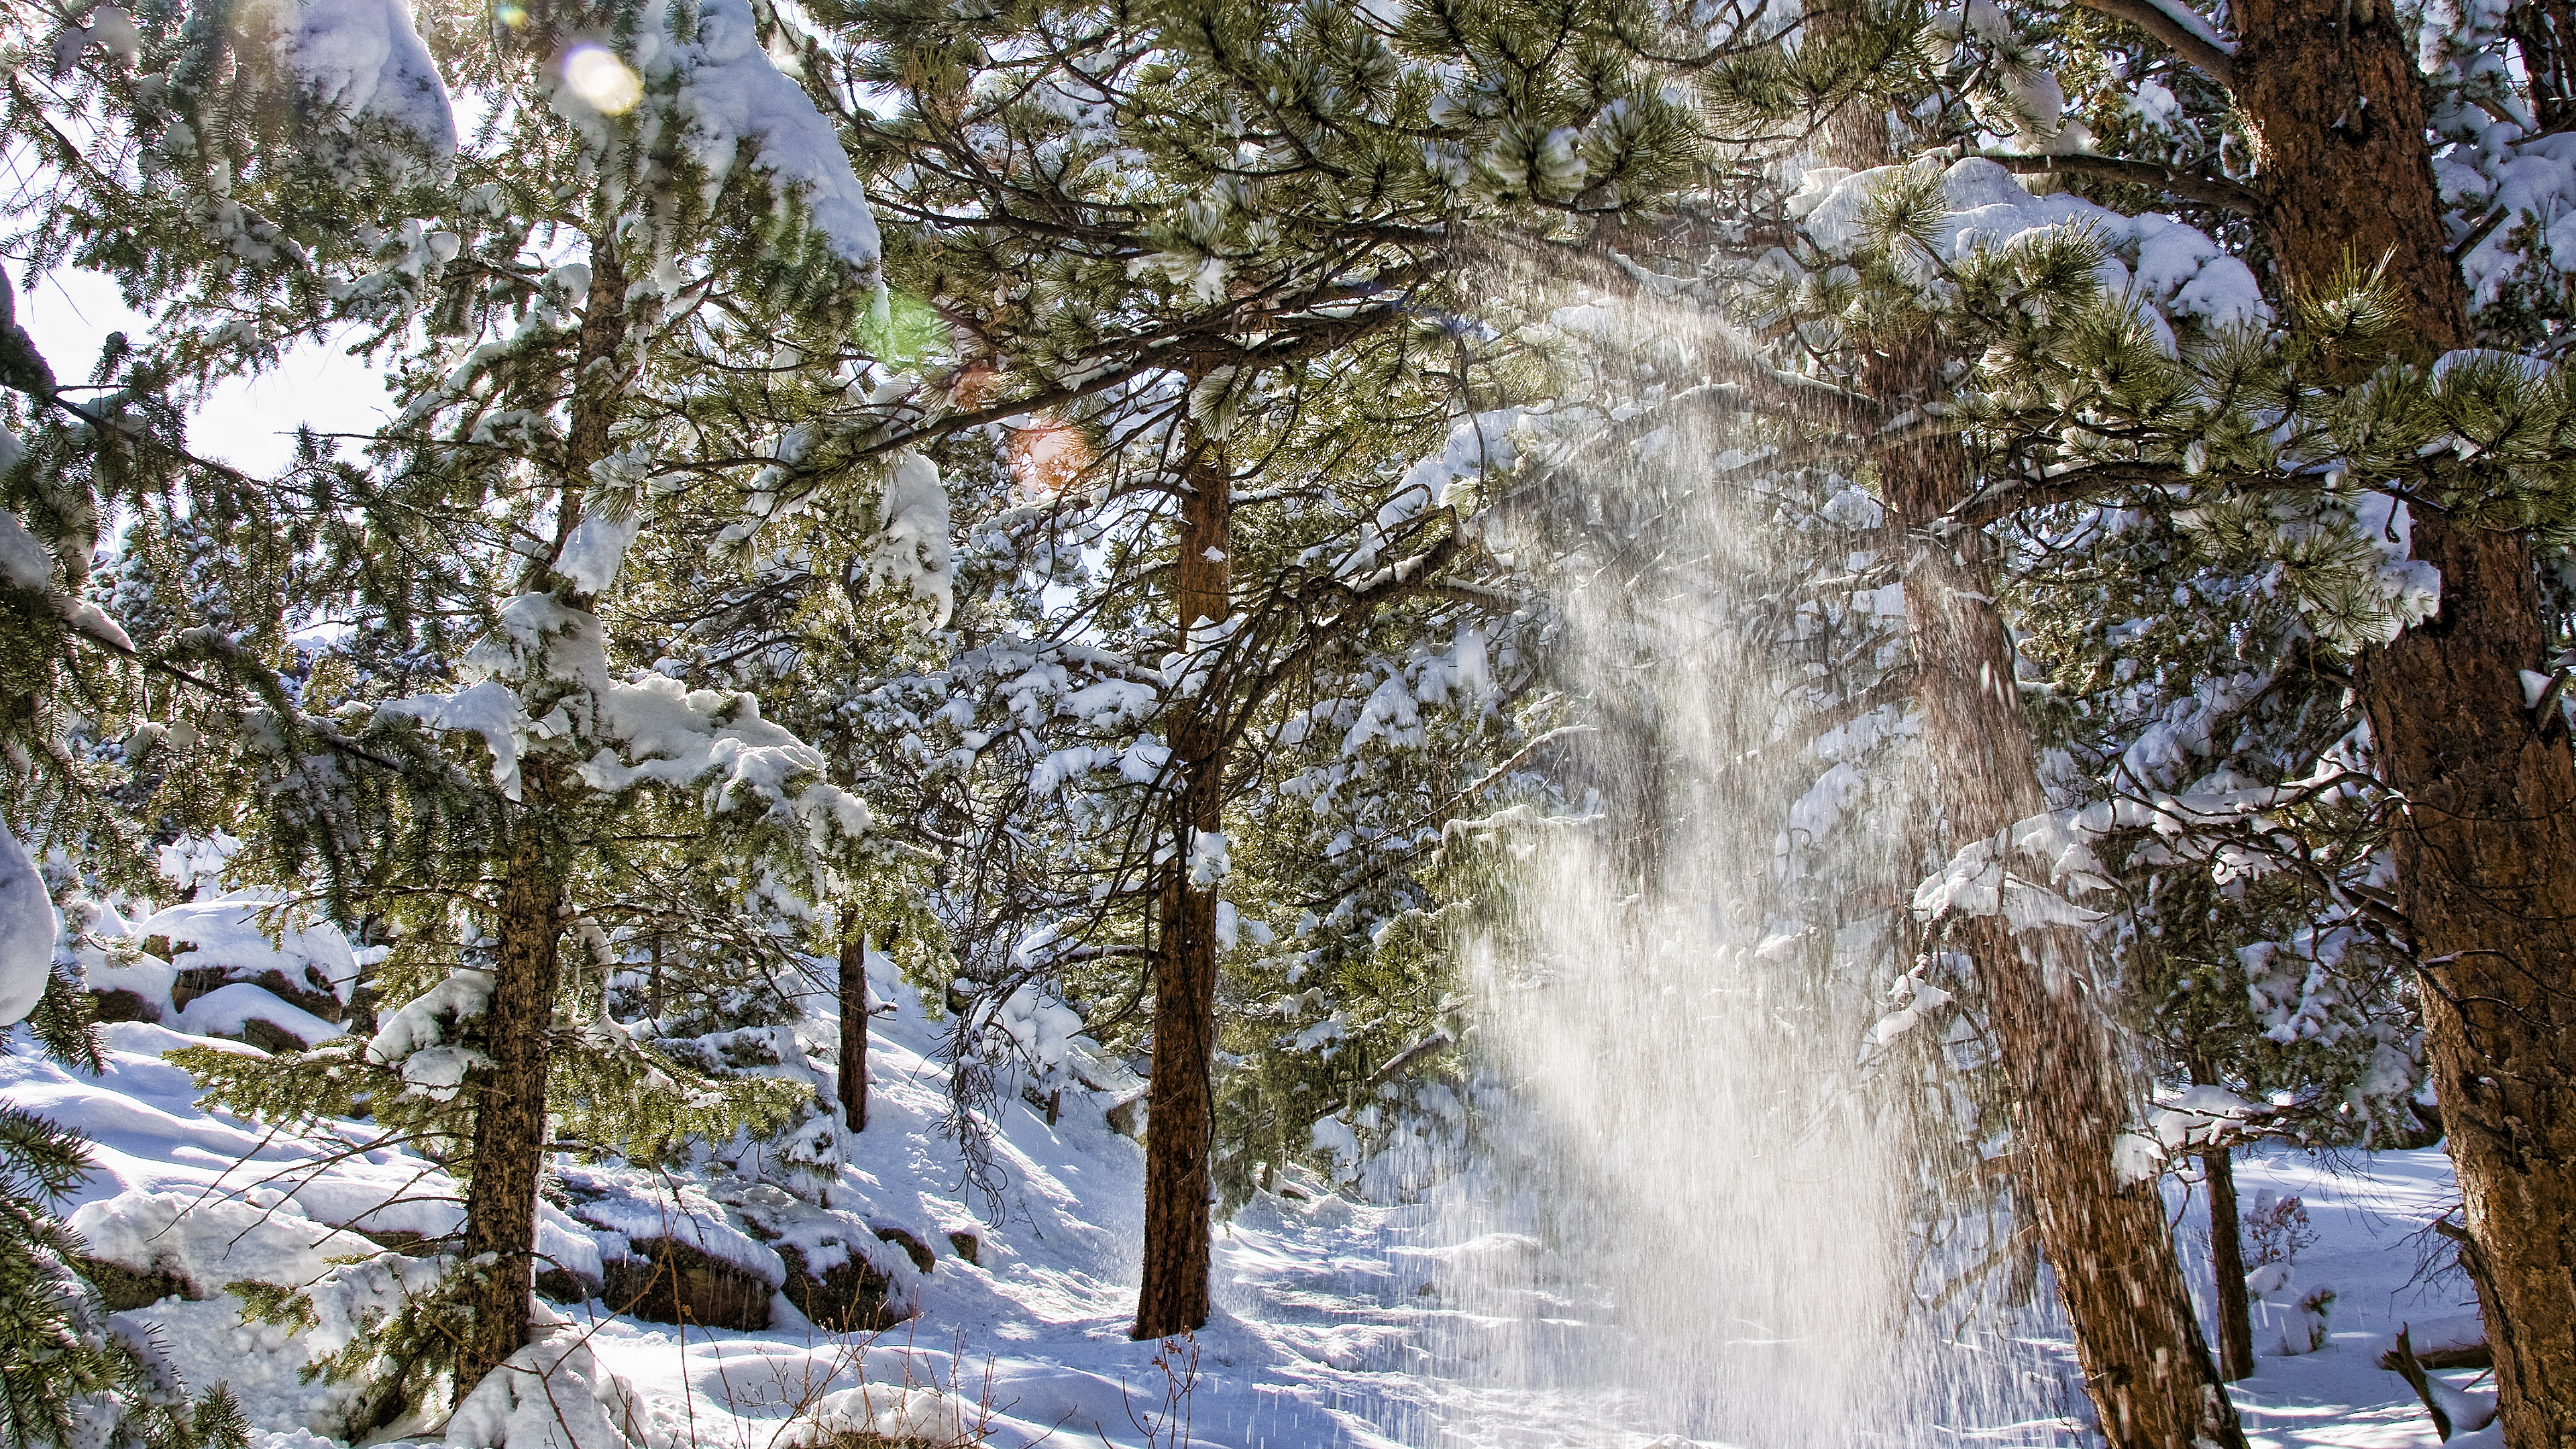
[363,60]
[27,929]
[2178,26]
[648,729]
[732,104]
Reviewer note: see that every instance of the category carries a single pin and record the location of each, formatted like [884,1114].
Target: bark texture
[2146,1364]
[1180,1127]
[2227,1266]
[510,1104]
[854,1033]
[2486,864]
[2486,848]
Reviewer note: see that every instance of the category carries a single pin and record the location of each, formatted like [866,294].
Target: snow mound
[898,1412]
[229,1011]
[629,1205]
[246,934]
[208,1243]
[552,1393]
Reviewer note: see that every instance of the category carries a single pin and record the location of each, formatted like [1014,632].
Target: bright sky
[249,424]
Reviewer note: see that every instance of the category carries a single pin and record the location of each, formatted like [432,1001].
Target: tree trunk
[2486,873]
[2145,1362]
[854,1032]
[2227,1265]
[1180,1127]
[2486,848]
[2146,1365]
[510,1101]
[510,1108]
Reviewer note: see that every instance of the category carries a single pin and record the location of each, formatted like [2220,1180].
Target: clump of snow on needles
[730,103]
[364,60]
[648,728]
[913,550]
[26,931]
[2174,269]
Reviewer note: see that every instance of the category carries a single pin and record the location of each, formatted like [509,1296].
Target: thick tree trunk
[2486,866]
[1180,1126]
[510,1102]
[854,1032]
[2145,1362]
[2146,1365]
[2486,848]
[2227,1265]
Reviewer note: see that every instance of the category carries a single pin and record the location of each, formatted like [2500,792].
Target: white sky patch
[248,423]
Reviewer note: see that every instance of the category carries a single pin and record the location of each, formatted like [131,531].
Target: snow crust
[27,563]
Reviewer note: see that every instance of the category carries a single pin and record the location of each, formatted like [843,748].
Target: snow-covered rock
[208,1243]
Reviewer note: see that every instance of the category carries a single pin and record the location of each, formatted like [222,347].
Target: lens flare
[596,75]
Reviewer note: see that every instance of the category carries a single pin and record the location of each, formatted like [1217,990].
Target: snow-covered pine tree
[2440,193]
[1862,374]
[1173,237]
[2187,698]
[71,1374]
[638,283]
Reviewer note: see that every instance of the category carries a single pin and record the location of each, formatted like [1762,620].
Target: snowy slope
[1333,1326]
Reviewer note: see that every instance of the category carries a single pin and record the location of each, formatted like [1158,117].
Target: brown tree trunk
[2486,847]
[510,1105]
[1180,1126]
[510,1100]
[2227,1265]
[854,1032]
[2486,873]
[2145,1362]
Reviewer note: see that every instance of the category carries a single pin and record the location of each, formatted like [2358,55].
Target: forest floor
[1334,1326]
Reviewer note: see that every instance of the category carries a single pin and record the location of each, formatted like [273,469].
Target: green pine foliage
[71,1372]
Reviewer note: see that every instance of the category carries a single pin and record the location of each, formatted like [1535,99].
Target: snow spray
[1699,1215]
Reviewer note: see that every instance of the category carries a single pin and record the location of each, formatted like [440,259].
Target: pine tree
[1182,255]
[636,286]
[2334,202]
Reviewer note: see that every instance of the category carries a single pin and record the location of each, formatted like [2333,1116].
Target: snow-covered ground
[1332,1326]
[2373,1249]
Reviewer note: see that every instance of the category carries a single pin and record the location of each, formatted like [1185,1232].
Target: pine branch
[2189,185]
[2192,40]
